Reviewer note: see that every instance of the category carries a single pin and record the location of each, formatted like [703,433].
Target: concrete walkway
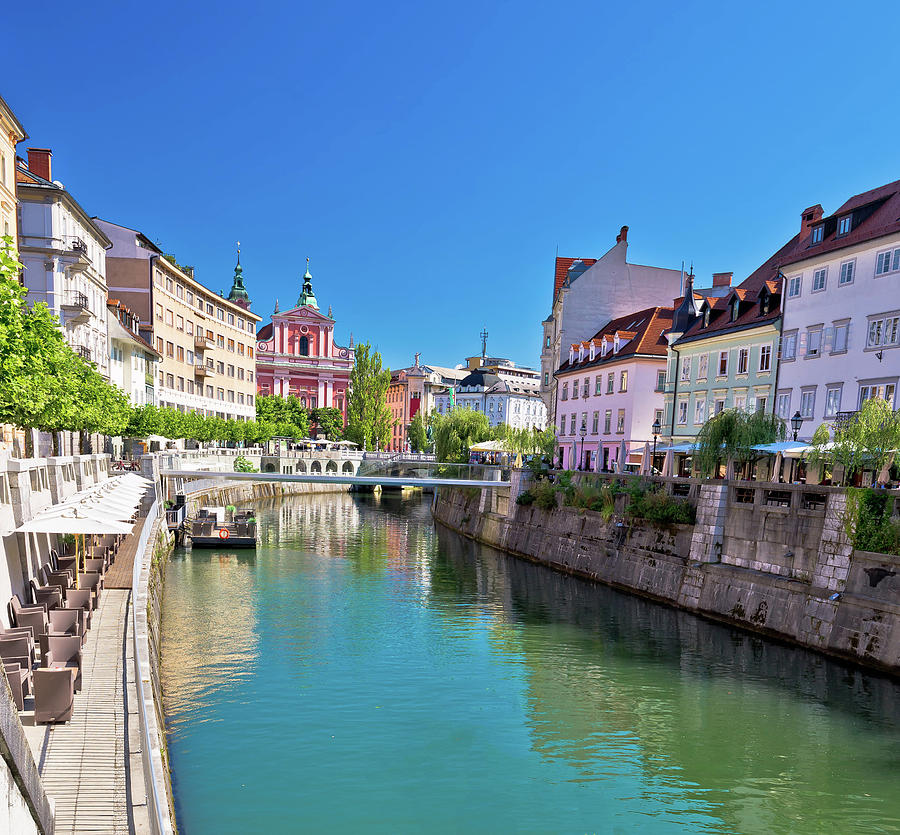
[85,764]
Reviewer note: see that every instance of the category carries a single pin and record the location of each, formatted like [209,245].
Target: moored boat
[224,527]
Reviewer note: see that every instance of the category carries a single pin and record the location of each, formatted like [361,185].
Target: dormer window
[571,355]
[764,303]
[604,347]
[818,233]
[844,225]
[616,344]
[706,313]
[581,353]
[593,351]
[735,310]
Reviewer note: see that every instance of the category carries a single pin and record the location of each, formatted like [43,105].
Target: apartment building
[11,134]
[207,342]
[64,253]
[132,360]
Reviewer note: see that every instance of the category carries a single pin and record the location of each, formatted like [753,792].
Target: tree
[731,435]
[369,420]
[456,432]
[418,438]
[330,422]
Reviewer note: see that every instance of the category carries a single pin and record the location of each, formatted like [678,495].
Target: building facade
[64,253]
[297,355]
[588,292]
[11,134]
[723,352]
[840,343]
[207,342]
[610,392]
[132,360]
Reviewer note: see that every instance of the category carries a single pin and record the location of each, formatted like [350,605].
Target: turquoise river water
[368,671]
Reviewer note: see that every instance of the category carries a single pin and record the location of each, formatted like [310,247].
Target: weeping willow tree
[456,431]
[731,435]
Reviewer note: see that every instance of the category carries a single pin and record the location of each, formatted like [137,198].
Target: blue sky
[430,158]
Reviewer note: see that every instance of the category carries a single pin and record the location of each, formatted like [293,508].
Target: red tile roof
[562,270]
[648,326]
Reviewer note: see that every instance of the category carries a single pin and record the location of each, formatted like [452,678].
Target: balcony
[84,353]
[201,343]
[201,369]
[77,251]
[76,308]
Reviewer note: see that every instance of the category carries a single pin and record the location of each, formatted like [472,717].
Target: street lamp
[583,433]
[656,429]
[796,423]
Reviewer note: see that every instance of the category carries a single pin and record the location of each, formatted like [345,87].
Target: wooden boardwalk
[118,575]
[86,765]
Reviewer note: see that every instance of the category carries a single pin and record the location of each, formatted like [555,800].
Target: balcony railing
[201,369]
[79,246]
[84,353]
[202,343]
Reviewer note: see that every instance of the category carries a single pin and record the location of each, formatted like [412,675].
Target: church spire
[307,297]
[238,293]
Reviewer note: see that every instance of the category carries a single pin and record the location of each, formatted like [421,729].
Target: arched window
[303,347]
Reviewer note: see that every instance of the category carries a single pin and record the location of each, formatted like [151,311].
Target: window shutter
[827,340]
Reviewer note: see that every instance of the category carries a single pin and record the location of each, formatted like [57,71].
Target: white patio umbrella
[106,507]
[669,463]
[776,467]
[620,460]
[646,465]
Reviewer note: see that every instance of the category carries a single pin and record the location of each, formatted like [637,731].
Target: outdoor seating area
[41,650]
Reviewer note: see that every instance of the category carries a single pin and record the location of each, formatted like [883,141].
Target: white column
[320,395]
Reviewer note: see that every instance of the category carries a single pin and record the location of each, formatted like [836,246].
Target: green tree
[456,432]
[369,420]
[731,435]
[418,438]
[330,422]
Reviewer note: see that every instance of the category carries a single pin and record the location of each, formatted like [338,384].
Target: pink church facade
[296,355]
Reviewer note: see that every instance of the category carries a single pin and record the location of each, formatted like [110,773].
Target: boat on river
[224,527]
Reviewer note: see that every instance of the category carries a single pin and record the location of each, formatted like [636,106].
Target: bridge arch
[316,467]
[331,467]
[301,466]
[270,467]
[347,468]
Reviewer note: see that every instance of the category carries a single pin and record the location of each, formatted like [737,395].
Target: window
[574,389]
[220,367]
[794,286]
[761,404]
[230,396]
[880,391]
[170,380]
[832,400]
[230,318]
[209,392]
[740,401]
[610,383]
[723,364]
[887,262]
[220,394]
[179,291]
[783,404]
[241,398]
[546,378]
[847,270]
[159,344]
[841,331]
[883,332]
[789,346]
[220,341]
[623,381]
[189,297]
[765,358]
[702,366]
[303,346]
[169,284]
[179,322]
[735,310]
[159,312]
[189,327]
[682,412]
[231,371]
[562,425]
[700,411]
[813,342]
[720,406]
[209,309]
[743,360]
[586,388]
[180,384]
[607,421]
[240,347]
[817,234]
[598,384]
[620,421]
[572,424]
[250,376]
[844,225]
[170,349]
[807,402]
[706,314]
[220,314]
[231,345]
[240,373]
[686,370]
[596,424]
[658,416]
[565,391]
[190,386]
[819,280]
[179,354]
[169,317]
[660,380]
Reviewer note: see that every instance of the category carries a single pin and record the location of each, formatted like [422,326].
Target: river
[368,671]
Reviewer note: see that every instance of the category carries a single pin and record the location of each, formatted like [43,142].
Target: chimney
[809,218]
[722,279]
[39,162]
[623,235]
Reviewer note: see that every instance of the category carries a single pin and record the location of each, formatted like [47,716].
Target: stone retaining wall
[750,566]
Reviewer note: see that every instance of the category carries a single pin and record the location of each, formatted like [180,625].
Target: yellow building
[207,342]
[11,133]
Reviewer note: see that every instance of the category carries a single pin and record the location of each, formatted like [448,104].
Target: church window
[303,348]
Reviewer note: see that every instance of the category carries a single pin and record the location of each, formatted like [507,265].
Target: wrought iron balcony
[84,353]
[76,307]
[79,246]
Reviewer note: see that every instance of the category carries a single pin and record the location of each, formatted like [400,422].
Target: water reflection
[365,654]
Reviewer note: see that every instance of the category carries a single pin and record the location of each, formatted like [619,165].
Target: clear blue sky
[429,158]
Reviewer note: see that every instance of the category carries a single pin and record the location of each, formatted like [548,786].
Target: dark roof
[562,271]
[876,213]
[649,327]
[480,378]
[264,333]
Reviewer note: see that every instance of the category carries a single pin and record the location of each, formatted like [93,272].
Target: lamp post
[583,433]
[656,428]
[796,423]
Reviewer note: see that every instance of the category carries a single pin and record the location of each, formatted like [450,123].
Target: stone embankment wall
[249,491]
[775,561]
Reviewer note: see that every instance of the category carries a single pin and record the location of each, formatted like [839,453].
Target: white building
[512,400]
[840,341]
[64,253]
[587,293]
[132,360]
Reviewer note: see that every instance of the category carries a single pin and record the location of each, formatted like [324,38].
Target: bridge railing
[420,470]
